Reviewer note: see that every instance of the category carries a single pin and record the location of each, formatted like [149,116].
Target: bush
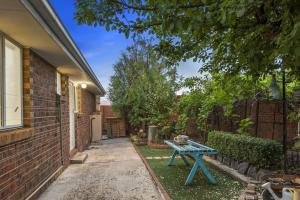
[262,153]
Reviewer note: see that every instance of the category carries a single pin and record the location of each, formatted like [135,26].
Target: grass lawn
[173,179]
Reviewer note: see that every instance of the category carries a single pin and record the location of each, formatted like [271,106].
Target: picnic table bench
[196,151]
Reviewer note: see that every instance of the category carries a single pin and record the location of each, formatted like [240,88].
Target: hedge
[262,153]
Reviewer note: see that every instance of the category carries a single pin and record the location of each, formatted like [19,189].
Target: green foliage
[142,89]
[232,36]
[244,126]
[260,152]
[181,124]
[168,127]
[297,145]
[217,90]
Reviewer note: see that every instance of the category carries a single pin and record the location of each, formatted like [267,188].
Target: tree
[232,36]
[218,89]
[142,88]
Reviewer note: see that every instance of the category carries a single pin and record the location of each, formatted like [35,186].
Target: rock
[234,164]
[220,158]
[243,167]
[226,161]
[251,187]
[261,173]
[252,171]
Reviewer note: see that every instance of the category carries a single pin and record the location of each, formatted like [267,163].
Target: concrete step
[79,158]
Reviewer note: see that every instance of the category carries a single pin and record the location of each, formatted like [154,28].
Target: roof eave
[59,31]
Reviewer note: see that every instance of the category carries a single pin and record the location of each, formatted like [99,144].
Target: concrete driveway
[113,170]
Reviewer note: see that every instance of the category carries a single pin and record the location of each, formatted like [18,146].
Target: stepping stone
[79,158]
[166,157]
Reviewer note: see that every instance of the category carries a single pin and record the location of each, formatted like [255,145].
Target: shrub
[297,145]
[262,153]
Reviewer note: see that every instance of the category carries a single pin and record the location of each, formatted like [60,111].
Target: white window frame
[3,125]
[76,98]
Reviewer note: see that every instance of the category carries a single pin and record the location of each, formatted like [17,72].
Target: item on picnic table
[181,139]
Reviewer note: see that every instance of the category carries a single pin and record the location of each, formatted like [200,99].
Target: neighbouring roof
[34,24]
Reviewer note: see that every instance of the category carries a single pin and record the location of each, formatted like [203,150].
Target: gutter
[73,51]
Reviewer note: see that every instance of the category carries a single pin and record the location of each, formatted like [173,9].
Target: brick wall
[87,106]
[26,163]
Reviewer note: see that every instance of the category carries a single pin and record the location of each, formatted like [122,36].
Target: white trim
[41,21]
[3,110]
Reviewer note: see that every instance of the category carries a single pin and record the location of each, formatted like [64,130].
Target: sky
[102,49]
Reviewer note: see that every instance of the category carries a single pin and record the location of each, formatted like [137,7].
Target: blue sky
[102,49]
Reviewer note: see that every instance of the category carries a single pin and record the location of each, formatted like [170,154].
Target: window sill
[14,135]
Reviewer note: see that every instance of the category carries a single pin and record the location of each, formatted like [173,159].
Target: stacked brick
[30,155]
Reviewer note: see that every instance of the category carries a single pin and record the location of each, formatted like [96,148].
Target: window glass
[1,81]
[12,84]
[58,83]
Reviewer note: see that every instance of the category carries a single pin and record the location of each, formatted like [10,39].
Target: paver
[113,170]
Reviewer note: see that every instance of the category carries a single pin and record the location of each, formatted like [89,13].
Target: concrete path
[112,171]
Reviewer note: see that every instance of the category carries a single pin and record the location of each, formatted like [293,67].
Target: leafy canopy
[142,88]
[217,90]
[249,36]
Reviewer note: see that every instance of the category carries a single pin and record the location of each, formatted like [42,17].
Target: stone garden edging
[160,187]
[243,168]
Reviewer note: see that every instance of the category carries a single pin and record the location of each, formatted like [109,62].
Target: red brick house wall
[86,108]
[29,155]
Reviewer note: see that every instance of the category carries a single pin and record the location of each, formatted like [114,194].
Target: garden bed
[173,178]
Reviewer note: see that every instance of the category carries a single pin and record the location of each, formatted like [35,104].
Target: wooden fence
[266,116]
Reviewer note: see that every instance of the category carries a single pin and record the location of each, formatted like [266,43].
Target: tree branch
[148,8]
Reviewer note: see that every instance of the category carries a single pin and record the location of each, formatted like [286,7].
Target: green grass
[173,179]
[148,152]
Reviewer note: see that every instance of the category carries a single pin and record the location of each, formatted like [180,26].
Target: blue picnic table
[196,151]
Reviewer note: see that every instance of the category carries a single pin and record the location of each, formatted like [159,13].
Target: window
[58,83]
[11,84]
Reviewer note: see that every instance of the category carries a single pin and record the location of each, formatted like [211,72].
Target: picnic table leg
[172,158]
[184,160]
[192,173]
[210,177]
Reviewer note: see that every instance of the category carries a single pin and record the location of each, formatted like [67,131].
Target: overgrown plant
[220,90]
[237,36]
[244,126]
[142,88]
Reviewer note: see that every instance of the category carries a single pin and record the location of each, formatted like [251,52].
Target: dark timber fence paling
[256,119]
